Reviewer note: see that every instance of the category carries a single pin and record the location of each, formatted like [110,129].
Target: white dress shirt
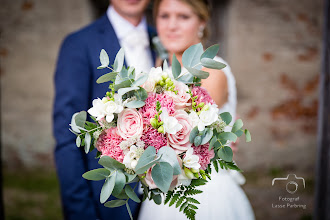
[134,40]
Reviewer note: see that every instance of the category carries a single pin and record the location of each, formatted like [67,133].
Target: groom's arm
[72,92]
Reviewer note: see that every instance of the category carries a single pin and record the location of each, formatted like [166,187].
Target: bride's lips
[132,1]
[173,37]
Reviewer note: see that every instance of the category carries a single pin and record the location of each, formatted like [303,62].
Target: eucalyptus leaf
[247,135]
[212,64]
[121,195]
[96,174]
[130,177]
[141,94]
[187,78]
[80,118]
[129,211]
[107,188]
[227,136]
[237,125]
[197,141]
[147,159]
[110,163]
[208,135]
[194,132]
[107,77]
[115,203]
[120,182]
[135,104]
[226,153]
[123,84]
[176,67]
[88,140]
[191,56]
[122,91]
[211,52]
[198,73]
[162,175]
[212,142]
[157,199]
[119,61]
[226,117]
[78,141]
[142,79]
[239,132]
[104,59]
[165,65]
[131,194]
[168,155]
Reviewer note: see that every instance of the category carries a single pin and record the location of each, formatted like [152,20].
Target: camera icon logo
[291,182]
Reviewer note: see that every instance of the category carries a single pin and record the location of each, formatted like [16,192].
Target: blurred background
[273,47]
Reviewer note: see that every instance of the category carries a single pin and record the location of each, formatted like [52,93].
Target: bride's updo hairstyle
[201,8]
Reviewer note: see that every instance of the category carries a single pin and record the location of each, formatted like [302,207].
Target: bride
[180,24]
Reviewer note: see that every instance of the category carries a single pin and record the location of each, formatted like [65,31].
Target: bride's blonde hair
[201,8]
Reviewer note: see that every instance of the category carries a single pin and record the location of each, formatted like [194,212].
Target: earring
[201,31]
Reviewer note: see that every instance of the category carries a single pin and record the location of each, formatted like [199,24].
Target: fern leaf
[215,164]
[191,192]
[198,182]
[168,196]
[179,202]
[190,199]
[183,206]
[190,213]
[192,206]
[174,199]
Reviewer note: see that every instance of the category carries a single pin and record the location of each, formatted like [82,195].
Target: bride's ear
[201,31]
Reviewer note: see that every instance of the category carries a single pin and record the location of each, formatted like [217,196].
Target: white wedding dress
[222,197]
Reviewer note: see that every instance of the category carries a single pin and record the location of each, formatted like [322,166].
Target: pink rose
[129,123]
[182,97]
[180,140]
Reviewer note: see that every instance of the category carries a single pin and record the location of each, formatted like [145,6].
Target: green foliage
[176,67]
[96,174]
[107,188]
[225,153]
[131,194]
[104,59]
[237,125]
[210,52]
[162,175]
[119,61]
[191,56]
[106,77]
[115,203]
[226,117]
[210,63]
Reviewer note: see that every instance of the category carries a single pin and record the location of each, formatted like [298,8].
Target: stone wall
[273,47]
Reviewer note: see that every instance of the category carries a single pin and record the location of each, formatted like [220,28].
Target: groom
[124,25]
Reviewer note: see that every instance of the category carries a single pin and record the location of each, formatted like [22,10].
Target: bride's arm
[216,85]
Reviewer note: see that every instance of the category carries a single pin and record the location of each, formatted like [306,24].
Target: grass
[31,195]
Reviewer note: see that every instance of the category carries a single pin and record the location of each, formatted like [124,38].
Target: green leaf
[227,136]
[194,132]
[187,78]
[120,182]
[104,59]
[176,67]
[198,182]
[183,206]
[207,136]
[247,135]
[239,132]
[110,163]
[226,117]
[130,177]
[122,91]
[212,142]
[135,104]
[115,203]
[107,188]
[197,141]
[106,77]
[174,199]
[198,73]
[211,52]
[123,84]
[162,174]
[189,199]
[129,211]
[168,155]
[212,64]
[141,94]
[237,125]
[131,194]
[226,153]
[88,140]
[191,56]
[215,164]
[119,61]
[142,79]
[157,199]
[179,202]
[165,65]
[78,141]
[96,174]
[146,160]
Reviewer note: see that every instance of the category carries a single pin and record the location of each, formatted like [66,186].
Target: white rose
[171,124]
[207,117]
[191,160]
[194,118]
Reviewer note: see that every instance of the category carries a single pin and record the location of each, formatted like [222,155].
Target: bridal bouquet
[159,129]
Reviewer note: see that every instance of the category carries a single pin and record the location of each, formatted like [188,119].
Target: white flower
[105,108]
[183,179]
[132,157]
[207,117]
[171,124]
[191,160]
[194,118]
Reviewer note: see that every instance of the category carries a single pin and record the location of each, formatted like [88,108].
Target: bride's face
[177,25]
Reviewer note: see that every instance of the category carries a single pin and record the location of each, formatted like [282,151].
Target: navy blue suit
[76,87]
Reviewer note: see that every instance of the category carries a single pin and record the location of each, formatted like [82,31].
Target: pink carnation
[204,155]
[148,111]
[153,138]
[108,144]
[203,95]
